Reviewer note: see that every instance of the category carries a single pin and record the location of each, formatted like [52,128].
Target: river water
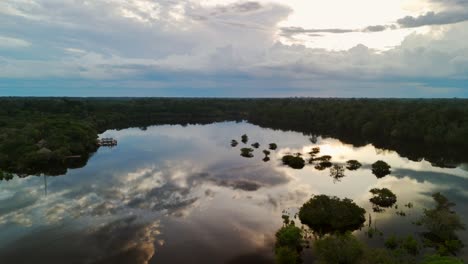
[182,194]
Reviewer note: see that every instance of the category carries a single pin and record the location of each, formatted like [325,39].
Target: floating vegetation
[273,146]
[353,165]
[234,143]
[383,197]
[337,172]
[293,161]
[380,169]
[266,152]
[244,138]
[266,159]
[247,152]
[256,145]
[329,214]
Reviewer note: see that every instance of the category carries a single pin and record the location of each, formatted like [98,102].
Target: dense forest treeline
[39,135]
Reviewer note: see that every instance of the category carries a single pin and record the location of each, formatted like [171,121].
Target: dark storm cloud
[379,28]
[432,18]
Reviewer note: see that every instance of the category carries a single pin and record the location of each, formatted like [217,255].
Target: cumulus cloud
[432,18]
[159,48]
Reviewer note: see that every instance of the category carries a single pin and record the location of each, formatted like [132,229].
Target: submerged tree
[234,143]
[441,224]
[380,169]
[256,145]
[244,138]
[247,152]
[337,172]
[325,214]
[382,198]
[353,164]
[295,162]
[323,165]
[314,151]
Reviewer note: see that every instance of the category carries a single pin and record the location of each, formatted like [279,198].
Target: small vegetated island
[382,198]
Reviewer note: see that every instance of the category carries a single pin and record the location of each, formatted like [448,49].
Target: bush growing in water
[353,164]
[323,165]
[234,143]
[273,146]
[324,215]
[380,169]
[244,138]
[337,172]
[246,152]
[294,162]
[383,197]
[256,145]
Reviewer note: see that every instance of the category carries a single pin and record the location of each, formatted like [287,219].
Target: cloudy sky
[232,48]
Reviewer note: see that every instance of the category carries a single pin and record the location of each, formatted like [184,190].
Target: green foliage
[383,197]
[410,245]
[256,145]
[289,236]
[339,249]
[380,169]
[247,152]
[392,242]
[273,146]
[266,152]
[437,129]
[288,246]
[286,255]
[323,165]
[441,224]
[436,259]
[353,164]
[324,215]
[294,162]
[234,143]
[244,138]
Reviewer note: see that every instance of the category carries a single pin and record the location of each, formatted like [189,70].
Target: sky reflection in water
[174,194]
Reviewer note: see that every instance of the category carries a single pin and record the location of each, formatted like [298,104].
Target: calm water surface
[173,194]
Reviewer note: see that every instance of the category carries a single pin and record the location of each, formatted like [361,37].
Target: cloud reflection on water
[188,187]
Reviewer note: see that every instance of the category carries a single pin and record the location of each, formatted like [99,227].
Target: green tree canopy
[329,214]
